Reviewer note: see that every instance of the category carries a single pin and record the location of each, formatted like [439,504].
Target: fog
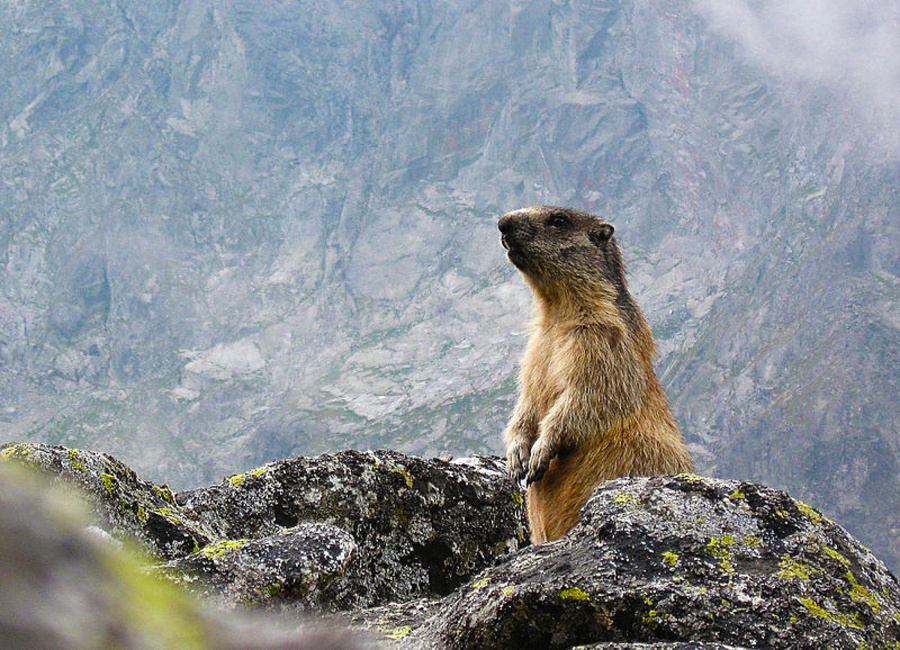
[851,47]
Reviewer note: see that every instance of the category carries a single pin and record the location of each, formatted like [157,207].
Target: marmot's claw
[535,474]
[516,473]
[538,464]
[517,461]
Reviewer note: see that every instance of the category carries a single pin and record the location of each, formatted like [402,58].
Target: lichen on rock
[433,554]
[422,527]
[294,567]
[680,558]
[60,587]
[125,505]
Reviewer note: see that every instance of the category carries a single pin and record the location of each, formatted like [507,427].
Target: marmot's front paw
[541,455]
[517,459]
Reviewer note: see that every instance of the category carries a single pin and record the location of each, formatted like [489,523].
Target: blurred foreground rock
[429,554]
[61,587]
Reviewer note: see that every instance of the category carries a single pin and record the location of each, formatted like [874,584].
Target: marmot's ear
[602,233]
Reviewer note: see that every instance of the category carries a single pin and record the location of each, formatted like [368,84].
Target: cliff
[393,550]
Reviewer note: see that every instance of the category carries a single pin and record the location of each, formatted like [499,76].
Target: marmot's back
[590,405]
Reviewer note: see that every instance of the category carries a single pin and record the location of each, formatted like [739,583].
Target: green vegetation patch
[18,451]
[862,595]
[238,479]
[404,473]
[219,549]
[790,568]
[811,513]
[164,492]
[718,548]
[109,482]
[670,558]
[819,612]
[830,552]
[76,464]
[574,593]
[397,633]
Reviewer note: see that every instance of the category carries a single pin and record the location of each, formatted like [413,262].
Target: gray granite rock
[294,567]
[432,554]
[422,527]
[680,559]
[63,588]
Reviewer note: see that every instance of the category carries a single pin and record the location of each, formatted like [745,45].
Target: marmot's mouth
[516,257]
[513,253]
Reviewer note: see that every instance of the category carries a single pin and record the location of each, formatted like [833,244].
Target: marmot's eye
[557,221]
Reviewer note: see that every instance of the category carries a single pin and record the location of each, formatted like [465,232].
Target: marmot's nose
[505,224]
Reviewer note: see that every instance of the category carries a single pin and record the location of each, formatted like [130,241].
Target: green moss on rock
[834,617]
[237,480]
[402,471]
[574,593]
[109,482]
[790,568]
[222,547]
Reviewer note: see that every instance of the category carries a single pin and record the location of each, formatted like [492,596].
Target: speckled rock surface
[375,539]
[422,527]
[300,567]
[125,505]
[684,645]
[680,559]
[333,532]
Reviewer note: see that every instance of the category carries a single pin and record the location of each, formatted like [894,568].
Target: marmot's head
[563,249]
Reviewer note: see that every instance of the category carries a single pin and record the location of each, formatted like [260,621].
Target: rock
[429,554]
[680,559]
[333,532]
[62,588]
[690,645]
[292,567]
[422,527]
[125,505]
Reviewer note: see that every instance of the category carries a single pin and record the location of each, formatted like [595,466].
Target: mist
[851,47]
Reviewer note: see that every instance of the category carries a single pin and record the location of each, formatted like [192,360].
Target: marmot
[590,405]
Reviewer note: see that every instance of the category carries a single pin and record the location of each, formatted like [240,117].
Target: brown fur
[590,405]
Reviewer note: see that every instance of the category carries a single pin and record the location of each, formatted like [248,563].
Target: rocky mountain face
[231,234]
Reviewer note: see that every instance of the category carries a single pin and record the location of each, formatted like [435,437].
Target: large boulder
[680,559]
[297,568]
[422,527]
[333,532]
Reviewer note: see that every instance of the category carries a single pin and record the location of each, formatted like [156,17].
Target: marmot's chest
[551,363]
